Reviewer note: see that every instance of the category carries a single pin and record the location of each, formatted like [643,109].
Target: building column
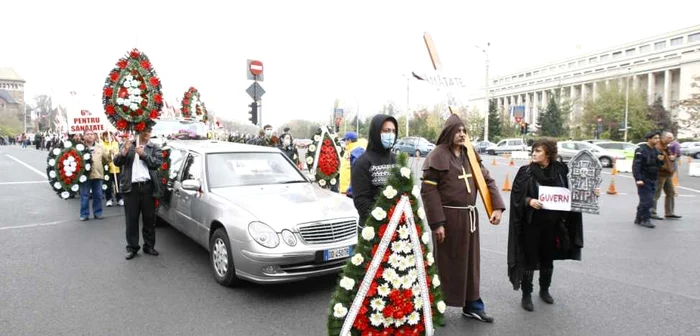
[574,103]
[595,90]
[583,95]
[635,82]
[535,107]
[545,100]
[667,90]
[528,108]
[651,83]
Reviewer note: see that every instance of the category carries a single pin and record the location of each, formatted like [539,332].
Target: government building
[663,66]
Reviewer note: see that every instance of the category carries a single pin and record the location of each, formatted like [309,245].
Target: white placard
[555,198]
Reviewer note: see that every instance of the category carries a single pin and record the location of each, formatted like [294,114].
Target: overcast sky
[313,51]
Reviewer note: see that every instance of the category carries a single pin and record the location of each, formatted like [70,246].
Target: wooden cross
[465,177]
[473,162]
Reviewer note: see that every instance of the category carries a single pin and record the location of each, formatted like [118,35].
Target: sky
[314,52]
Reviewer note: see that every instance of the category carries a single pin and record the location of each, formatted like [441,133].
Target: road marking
[23,182]
[35,225]
[28,166]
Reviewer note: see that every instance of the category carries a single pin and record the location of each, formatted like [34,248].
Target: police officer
[645,168]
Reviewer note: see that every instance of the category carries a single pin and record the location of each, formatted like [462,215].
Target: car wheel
[559,158]
[697,155]
[605,161]
[222,259]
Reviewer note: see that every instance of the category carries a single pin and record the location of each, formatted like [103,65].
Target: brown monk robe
[449,195]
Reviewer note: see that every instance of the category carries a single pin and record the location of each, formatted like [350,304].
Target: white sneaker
[109,203]
[121,202]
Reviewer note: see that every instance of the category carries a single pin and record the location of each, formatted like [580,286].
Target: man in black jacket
[371,170]
[645,169]
[139,186]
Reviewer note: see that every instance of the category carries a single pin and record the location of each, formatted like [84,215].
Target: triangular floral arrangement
[323,157]
[390,285]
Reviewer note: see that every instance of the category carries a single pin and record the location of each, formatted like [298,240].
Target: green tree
[474,122]
[691,109]
[494,122]
[551,121]
[662,118]
[609,105]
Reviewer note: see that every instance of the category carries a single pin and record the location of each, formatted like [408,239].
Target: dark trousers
[139,201]
[109,193]
[646,200]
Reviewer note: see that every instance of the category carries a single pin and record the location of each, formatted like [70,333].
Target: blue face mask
[388,140]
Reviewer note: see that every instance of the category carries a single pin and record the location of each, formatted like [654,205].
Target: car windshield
[169,127]
[246,169]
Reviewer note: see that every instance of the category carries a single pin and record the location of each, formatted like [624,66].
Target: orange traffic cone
[675,180]
[614,170]
[611,189]
[511,164]
[506,185]
[493,163]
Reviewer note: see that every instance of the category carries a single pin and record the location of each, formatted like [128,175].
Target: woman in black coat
[537,237]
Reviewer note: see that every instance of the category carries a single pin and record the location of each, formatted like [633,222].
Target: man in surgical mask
[286,145]
[371,170]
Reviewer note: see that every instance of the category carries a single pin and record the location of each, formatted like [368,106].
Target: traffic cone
[493,163]
[511,164]
[611,189]
[675,180]
[506,185]
[614,170]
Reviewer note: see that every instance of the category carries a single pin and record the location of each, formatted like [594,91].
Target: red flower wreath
[192,102]
[132,95]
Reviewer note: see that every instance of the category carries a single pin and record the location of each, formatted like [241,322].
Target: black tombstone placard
[584,177]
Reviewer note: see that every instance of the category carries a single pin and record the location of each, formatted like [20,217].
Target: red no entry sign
[256,68]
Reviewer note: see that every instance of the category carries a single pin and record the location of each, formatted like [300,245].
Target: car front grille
[327,231]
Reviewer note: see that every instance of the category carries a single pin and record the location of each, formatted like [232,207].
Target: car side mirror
[192,185]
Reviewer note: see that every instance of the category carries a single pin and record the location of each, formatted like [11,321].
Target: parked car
[481,146]
[221,196]
[568,149]
[624,148]
[508,146]
[596,141]
[691,149]
[413,146]
[166,127]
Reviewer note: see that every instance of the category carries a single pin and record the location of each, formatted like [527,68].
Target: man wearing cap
[645,168]
[351,143]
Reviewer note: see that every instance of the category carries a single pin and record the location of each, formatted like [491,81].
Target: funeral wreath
[68,165]
[323,157]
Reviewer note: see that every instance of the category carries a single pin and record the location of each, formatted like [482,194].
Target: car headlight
[289,237]
[263,234]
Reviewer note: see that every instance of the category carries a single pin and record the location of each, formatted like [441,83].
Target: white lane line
[34,225]
[679,187]
[28,166]
[23,182]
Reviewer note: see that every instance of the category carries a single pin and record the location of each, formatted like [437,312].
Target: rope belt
[472,215]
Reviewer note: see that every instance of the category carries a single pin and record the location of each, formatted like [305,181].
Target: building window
[572,64]
[605,57]
[630,52]
[581,62]
[593,60]
[694,37]
[528,74]
[561,67]
[617,55]
[676,41]
[659,45]
[535,73]
[644,48]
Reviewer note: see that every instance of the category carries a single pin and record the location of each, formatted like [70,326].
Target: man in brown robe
[449,197]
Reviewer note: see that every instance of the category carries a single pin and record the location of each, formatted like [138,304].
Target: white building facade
[663,66]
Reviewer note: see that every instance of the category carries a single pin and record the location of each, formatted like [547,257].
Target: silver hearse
[261,219]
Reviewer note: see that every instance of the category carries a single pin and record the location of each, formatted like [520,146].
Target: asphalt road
[61,276]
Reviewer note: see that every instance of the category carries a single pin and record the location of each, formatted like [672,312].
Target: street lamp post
[486,92]
[627,102]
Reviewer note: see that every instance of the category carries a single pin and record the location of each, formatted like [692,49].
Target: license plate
[337,253]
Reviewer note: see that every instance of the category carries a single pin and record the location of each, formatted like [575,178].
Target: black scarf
[547,176]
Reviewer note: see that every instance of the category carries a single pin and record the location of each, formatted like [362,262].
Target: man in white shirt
[139,185]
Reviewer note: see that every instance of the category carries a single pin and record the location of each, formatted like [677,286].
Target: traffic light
[253,112]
